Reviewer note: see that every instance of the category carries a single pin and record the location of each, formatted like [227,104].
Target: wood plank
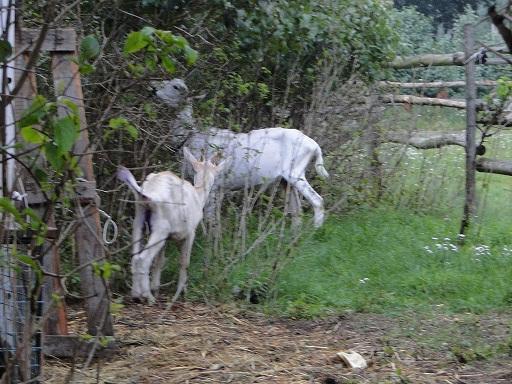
[56,322]
[73,346]
[56,40]
[21,102]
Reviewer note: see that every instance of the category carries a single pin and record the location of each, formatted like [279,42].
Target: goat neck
[184,117]
[203,183]
[183,126]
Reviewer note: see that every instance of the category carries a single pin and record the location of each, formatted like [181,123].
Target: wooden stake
[470,199]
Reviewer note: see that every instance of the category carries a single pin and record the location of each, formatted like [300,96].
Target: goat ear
[216,158]
[224,164]
[188,155]
[190,158]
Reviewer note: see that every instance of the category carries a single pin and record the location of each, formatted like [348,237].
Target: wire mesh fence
[20,312]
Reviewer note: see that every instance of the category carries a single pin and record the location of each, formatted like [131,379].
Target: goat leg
[186,249]
[141,265]
[156,272]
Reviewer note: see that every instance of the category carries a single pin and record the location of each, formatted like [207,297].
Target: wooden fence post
[66,78]
[470,70]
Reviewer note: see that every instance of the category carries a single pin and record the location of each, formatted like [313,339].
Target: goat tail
[319,163]
[124,175]
[141,212]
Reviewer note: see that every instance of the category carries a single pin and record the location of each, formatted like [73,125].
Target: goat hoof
[155,290]
[151,300]
[318,221]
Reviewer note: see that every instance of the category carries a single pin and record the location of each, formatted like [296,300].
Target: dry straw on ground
[205,344]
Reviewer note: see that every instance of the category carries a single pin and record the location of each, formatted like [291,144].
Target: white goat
[259,157]
[173,208]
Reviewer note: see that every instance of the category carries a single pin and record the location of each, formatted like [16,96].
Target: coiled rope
[109,223]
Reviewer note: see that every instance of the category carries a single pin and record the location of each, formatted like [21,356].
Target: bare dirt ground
[196,343]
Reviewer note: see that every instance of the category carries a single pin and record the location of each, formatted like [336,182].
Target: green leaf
[6,205]
[89,48]
[180,41]
[115,308]
[86,69]
[34,113]
[147,31]
[168,64]
[150,62]
[135,42]
[104,340]
[86,337]
[118,123]
[32,135]
[36,223]
[40,175]
[69,104]
[106,270]
[149,110]
[66,132]
[132,131]
[56,298]
[53,155]
[190,55]
[136,69]
[29,261]
[73,165]
[167,37]
[5,50]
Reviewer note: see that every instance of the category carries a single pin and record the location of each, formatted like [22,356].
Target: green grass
[380,260]
[375,260]
[424,118]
